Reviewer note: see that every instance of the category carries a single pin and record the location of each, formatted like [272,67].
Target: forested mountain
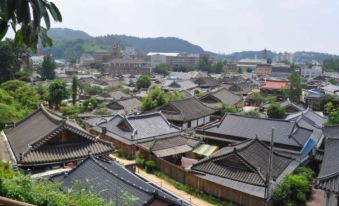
[70,44]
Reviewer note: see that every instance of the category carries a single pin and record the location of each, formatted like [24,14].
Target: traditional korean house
[125,106]
[240,173]
[290,137]
[45,139]
[328,177]
[187,113]
[207,82]
[178,85]
[215,99]
[290,107]
[169,146]
[116,184]
[273,88]
[125,132]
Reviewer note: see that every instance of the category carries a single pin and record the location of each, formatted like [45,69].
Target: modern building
[273,88]
[310,73]
[174,59]
[118,67]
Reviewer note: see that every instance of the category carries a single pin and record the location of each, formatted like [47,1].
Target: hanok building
[44,139]
[273,88]
[114,183]
[179,85]
[187,113]
[168,147]
[290,107]
[289,136]
[125,106]
[328,177]
[240,173]
[128,131]
[219,97]
[207,82]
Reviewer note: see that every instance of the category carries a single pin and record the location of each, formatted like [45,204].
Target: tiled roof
[31,140]
[221,96]
[309,116]
[129,106]
[207,82]
[134,128]
[328,178]
[274,84]
[246,162]
[285,132]
[114,183]
[170,145]
[179,84]
[186,110]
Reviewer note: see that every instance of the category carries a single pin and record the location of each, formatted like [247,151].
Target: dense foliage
[143,81]
[57,92]
[17,99]
[295,90]
[47,68]
[331,64]
[11,58]
[295,188]
[276,111]
[40,192]
[333,118]
[74,89]
[25,18]
[163,69]
[157,97]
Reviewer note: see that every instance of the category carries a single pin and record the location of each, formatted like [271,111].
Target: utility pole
[269,173]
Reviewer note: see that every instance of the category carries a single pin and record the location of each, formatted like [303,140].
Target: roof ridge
[117,176]
[266,119]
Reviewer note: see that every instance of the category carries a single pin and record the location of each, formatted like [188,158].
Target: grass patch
[192,191]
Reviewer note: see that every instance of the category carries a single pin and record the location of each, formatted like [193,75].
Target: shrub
[150,165]
[140,160]
[295,188]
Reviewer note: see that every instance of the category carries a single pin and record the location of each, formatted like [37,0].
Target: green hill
[70,44]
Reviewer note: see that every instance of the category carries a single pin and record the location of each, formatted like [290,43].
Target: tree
[276,111]
[74,89]
[295,90]
[24,17]
[11,58]
[57,93]
[47,68]
[333,118]
[294,189]
[157,97]
[331,64]
[143,81]
[218,67]
[204,64]
[163,69]
[328,108]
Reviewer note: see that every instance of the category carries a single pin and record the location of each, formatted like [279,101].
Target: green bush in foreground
[295,188]
[22,187]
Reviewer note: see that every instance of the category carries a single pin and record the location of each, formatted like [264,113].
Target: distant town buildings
[174,59]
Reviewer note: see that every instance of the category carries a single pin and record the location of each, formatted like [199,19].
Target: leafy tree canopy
[163,69]
[47,68]
[333,118]
[57,92]
[276,111]
[143,81]
[25,18]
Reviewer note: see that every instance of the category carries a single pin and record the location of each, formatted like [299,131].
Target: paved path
[163,184]
[317,198]
[168,187]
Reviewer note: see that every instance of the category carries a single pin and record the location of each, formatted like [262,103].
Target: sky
[222,26]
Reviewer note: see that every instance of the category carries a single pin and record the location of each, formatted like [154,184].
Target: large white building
[310,73]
